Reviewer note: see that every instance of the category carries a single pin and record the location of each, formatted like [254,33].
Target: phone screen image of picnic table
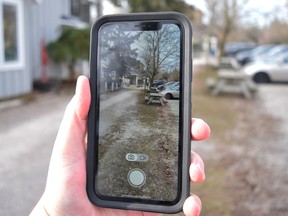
[139,90]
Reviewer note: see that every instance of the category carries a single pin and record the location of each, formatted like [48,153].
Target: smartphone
[138,151]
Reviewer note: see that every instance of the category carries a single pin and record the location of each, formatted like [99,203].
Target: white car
[168,85]
[171,93]
[274,70]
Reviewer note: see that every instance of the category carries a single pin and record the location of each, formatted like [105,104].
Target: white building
[25,25]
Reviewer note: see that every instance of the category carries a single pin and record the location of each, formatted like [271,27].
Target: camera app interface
[139,90]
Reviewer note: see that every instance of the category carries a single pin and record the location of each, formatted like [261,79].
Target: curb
[10,104]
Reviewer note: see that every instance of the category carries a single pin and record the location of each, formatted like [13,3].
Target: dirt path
[137,128]
[122,99]
[270,152]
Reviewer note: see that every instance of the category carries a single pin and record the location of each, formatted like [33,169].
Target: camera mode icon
[131,157]
[143,158]
[137,157]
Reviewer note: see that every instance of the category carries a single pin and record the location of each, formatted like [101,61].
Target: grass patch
[219,113]
[139,128]
[213,192]
[216,111]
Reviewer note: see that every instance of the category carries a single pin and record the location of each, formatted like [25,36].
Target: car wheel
[168,96]
[261,77]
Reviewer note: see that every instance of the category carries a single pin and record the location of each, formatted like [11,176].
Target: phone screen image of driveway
[138,137]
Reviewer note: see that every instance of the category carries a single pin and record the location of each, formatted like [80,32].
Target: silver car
[273,70]
[171,93]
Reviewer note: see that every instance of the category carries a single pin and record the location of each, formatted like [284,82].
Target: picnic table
[231,81]
[155,98]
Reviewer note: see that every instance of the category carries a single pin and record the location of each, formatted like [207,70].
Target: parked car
[247,56]
[232,49]
[168,85]
[273,70]
[156,84]
[272,53]
[171,93]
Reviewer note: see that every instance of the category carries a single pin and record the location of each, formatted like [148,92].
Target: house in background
[25,27]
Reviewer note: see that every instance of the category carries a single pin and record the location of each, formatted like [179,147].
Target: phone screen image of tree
[138,151]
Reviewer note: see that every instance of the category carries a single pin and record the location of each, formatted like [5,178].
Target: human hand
[65,192]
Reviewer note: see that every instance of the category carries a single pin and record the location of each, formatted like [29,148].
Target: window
[81,10]
[75,7]
[11,34]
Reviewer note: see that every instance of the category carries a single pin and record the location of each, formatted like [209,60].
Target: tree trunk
[71,68]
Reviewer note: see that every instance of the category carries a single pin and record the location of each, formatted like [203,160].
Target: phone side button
[191,76]
[136,178]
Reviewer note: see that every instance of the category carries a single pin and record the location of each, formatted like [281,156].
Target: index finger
[199,129]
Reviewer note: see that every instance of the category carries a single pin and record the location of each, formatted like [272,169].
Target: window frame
[20,62]
[75,11]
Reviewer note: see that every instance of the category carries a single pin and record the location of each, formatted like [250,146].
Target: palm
[65,192]
[67,177]
[79,203]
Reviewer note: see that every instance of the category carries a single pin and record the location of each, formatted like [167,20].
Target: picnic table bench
[155,98]
[230,81]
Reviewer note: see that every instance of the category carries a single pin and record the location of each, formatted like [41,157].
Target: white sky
[270,9]
[261,12]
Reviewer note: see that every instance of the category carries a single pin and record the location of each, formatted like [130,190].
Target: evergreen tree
[72,45]
[117,54]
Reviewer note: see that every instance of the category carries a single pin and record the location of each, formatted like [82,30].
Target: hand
[65,192]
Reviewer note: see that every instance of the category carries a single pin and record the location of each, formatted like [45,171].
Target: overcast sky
[261,11]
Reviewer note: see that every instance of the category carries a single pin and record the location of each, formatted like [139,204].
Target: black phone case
[185,113]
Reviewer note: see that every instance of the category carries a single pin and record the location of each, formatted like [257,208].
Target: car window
[176,88]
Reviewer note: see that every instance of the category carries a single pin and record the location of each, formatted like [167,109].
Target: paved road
[27,134]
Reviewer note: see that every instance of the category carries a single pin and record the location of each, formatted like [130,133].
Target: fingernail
[201,170]
[197,173]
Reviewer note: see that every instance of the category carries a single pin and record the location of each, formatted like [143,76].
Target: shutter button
[136,178]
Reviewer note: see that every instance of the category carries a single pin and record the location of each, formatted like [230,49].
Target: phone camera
[131,157]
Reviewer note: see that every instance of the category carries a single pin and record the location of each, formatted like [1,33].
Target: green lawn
[218,112]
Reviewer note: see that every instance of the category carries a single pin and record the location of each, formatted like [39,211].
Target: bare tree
[159,51]
[276,32]
[224,18]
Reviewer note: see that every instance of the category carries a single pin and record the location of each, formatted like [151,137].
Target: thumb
[67,175]
[72,131]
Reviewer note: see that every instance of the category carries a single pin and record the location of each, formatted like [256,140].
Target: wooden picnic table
[156,98]
[230,81]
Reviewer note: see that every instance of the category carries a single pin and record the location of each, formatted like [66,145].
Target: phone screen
[139,90]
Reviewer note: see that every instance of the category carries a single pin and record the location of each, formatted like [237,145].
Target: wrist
[39,210]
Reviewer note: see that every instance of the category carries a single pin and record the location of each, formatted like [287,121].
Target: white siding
[41,21]
[17,81]
[44,23]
